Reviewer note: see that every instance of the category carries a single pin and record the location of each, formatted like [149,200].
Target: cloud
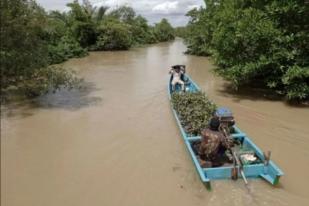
[194,6]
[152,10]
[166,7]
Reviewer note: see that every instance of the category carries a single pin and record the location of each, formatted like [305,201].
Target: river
[115,142]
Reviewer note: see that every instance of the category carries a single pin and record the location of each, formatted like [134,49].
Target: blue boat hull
[270,172]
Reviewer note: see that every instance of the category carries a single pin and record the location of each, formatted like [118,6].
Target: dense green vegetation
[25,54]
[257,43]
[164,31]
[181,31]
[194,110]
[33,39]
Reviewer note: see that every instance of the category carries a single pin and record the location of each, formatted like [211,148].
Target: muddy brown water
[116,142]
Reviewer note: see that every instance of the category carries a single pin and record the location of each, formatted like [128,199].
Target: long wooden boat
[268,171]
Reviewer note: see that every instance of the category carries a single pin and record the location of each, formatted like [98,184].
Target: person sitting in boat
[213,146]
[177,71]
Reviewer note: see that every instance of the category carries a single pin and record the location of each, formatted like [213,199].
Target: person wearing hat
[212,147]
[176,73]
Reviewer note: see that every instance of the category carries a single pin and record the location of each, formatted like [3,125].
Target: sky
[152,10]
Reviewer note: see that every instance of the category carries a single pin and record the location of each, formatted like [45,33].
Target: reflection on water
[70,99]
[115,142]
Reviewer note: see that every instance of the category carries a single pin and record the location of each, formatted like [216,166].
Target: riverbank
[264,55]
[53,37]
[116,142]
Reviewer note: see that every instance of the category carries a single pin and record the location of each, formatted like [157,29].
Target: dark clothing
[211,144]
[213,148]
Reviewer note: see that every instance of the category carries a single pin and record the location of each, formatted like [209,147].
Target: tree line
[33,41]
[261,43]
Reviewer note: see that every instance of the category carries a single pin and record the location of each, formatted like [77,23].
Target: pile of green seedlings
[194,111]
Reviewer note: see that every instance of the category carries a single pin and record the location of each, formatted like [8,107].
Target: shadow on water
[68,99]
[254,94]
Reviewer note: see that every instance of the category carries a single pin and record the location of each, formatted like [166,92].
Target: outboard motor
[226,120]
[225,116]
